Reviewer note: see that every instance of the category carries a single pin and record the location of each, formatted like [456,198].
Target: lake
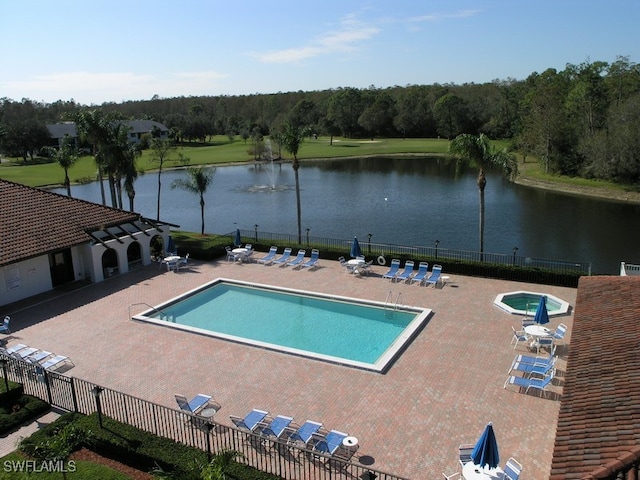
[405,201]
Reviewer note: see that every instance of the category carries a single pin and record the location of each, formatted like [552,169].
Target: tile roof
[34,221]
[599,422]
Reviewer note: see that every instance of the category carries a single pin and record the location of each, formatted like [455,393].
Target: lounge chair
[434,278]
[512,469]
[534,360]
[56,362]
[393,270]
[299,260]
[15,348]
[405,276]
[197,403]
[423,271]
[284,258]
[304,434]
[23,353]
[313,260]
[277,427]
[39,356]
[533,369]
[4,328]
[251,421]
[330,443]
[269,257]
[527,384]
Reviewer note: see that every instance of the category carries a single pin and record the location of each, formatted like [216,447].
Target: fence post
[74,396]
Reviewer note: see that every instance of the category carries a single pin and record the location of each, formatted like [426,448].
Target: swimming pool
[332,328]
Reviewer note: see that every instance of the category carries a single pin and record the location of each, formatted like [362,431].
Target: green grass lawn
[221,151]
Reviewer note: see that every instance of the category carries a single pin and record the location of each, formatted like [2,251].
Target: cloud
[434,17]
[98,87]
[345,39]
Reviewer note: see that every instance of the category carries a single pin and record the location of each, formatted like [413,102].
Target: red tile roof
[34,221]
[599,421]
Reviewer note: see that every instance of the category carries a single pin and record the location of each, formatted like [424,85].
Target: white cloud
[434,17]
[345,39]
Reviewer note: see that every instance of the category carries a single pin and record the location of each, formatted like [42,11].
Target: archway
[134,255]
[109,263]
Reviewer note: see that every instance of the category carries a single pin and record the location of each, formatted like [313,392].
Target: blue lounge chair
[269,257]
[251,421]
[434,278]
[527,384]
[533,369]
[313,260]
[284,258]
[296,262]
[304,434]
[393,270]
[330,443]
[277,427]
[4,328]
[56,362]
[406,273]
[537,360]
[423,271]
[194,405]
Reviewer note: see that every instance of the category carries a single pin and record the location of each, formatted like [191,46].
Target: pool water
[339,329]
[526,303]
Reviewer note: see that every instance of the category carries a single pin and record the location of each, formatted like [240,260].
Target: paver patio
[439,393]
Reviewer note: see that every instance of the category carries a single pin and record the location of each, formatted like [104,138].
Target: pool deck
[440,392]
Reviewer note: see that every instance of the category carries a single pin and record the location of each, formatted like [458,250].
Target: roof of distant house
[34,221]
[59,130]
[597,429]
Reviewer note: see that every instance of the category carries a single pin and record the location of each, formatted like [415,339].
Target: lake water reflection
[404,201]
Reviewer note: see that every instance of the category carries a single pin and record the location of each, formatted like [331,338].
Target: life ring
[382,260]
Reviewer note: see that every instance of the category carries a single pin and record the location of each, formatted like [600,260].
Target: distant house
[49,240]
[137,128]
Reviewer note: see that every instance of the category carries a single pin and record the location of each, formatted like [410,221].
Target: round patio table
[471,471]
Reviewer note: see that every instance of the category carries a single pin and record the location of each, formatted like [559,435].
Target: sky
[100,51]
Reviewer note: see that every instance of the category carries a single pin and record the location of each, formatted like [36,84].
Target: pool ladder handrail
[390,297]
[163,314]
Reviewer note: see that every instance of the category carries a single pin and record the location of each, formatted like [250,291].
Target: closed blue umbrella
[238,241]
[542,315]
[171,247]
[485,452]
[355,248]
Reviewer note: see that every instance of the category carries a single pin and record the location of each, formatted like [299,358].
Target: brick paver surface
[441,392]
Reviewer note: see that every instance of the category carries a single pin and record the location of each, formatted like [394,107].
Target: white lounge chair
[56,362]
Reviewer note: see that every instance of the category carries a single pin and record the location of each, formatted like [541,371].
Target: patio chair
[269,257]
[561,330]
[304,434]
[251,420]
[230,255]
[197,403]
[544,342]
[423,271]
[512,469]
[518,336]
[393,269]
[313,260]
[406,273]
[277,427]
[533,369]
[347,268]
[284,258]
[4,328]
[56,362]
[184,261]
[527,384]
[364,269]
[526,321]
[299,260]
[434,278]
[330,443]
[464,453]
[452,476]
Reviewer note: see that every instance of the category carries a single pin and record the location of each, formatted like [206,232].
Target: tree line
[581,121]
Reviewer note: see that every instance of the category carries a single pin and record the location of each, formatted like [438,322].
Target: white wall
[24,279]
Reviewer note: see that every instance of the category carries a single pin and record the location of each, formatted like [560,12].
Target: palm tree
[476,149]
[199,179]
[93,126]
[160,150]
[66,156]
[291,139]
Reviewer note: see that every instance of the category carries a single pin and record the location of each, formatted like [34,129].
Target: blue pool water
[338,329]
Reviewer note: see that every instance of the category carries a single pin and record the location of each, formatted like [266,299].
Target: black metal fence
[288,461]
[431,252]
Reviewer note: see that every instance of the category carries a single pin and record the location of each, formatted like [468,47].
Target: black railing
[289,462]
[433,253]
